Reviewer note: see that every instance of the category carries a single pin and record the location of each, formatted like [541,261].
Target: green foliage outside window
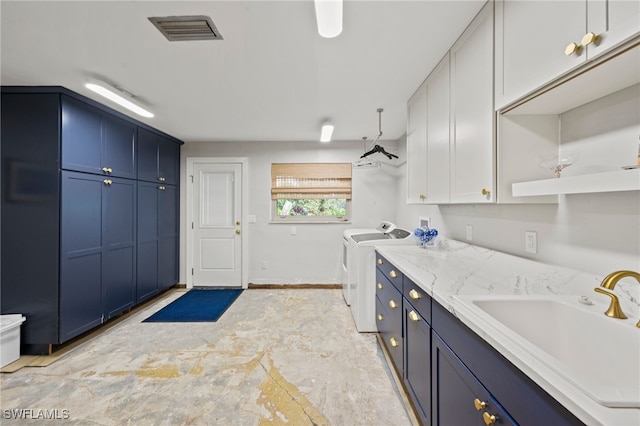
[312,207]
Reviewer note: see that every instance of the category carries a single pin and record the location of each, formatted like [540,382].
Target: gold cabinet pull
[380,286]
[393,342]
[161,179]
[571,49]
[485,191]
[489,419]
[479,404]
[392,274]
[392,304]
[380,317]
[413,316]
[414,294]
[589,38]
[379,261]
[107,170]
[107,181]
[237,232]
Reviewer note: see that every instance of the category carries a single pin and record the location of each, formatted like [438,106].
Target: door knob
[590,38]
[571,49]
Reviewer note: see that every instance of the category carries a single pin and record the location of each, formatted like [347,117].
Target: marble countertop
[452,268]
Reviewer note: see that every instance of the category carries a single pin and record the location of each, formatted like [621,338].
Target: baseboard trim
[252,286]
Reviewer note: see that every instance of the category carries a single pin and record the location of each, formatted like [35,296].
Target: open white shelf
[619,180]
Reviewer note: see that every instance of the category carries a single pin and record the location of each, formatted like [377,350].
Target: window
[310,192]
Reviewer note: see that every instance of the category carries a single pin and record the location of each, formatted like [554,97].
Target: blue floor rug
[197,306]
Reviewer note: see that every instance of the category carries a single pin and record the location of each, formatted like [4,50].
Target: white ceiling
[271,78]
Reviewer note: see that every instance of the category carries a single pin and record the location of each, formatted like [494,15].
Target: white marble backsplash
[452,268]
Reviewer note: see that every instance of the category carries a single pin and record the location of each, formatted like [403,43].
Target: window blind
[310,180]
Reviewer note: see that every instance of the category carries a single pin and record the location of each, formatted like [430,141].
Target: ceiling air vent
[185,28]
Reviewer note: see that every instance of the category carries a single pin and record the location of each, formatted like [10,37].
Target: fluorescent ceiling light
[117,96]
[329,17]
[327,131]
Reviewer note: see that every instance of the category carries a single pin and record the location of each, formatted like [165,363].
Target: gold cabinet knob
[488,418]
[380,286]
[413,316]
[571,49]
[237,232]
[392,304]
[422,197]
[485,191]
[589,38]
[107,170]
[107,181]
[162,188]
[238,222]
[479,404]
[161,179]
[379,261]
[414,294]
[393,342]
[392,274]
[380,317]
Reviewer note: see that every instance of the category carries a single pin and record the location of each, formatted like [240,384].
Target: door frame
[244,198]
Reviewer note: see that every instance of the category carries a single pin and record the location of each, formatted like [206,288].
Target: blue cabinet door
[417,362]
[81,137]
[167,236]
[80,253]
[119,245]
[458,397]
[96,142]
[118,147]
[147,256]
[158,158]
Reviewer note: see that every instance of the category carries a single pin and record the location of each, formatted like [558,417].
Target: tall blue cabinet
[85,236]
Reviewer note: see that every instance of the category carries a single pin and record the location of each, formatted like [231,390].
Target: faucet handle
[614,311]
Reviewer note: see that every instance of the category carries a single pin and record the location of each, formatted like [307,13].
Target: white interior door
[217,213]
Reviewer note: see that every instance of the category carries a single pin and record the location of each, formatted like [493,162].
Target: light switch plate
[531,242]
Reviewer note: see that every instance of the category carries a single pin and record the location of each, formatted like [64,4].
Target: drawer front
[389,271]
[418,298]
[387,292]
[389,322]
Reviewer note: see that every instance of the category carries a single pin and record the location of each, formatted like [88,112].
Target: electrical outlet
[264,264]
[531,242]
[293,230]
[469,233]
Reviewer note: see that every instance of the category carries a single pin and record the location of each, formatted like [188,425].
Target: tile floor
[275,357]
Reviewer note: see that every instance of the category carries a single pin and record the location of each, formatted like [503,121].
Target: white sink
[597,354]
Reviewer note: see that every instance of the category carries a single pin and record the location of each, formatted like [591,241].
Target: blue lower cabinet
[417,363]
[458,397]
[97,267]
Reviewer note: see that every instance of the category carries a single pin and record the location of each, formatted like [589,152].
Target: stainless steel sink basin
[597,354]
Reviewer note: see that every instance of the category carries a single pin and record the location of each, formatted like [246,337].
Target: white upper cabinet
[538,41]
[428,139]
[472,151]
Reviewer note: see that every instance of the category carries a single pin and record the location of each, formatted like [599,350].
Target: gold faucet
[609,282]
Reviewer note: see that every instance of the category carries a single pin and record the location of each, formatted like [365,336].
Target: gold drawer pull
[380,317]
[379,261]
[380,286]
[107,181]
[107,170]
[489,419]
[414,294]
[162,188]
[571,49]
[590,38]
[392,274]
[479,404]
[161,179]
[413,316]
[392,304]
[393,342]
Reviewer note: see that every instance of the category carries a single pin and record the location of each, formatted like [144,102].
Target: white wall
[314,254]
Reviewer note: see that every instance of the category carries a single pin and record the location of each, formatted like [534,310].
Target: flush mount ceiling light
[118,96]
[329,17]
[327,131]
